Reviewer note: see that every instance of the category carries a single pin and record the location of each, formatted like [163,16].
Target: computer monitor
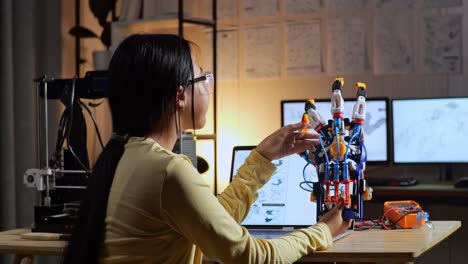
[375,127]
[431,130]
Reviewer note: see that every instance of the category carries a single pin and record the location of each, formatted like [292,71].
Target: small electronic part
[403,214]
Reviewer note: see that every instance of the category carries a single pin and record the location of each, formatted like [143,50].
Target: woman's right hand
[335,221]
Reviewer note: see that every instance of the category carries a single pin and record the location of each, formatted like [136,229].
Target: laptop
[282,205]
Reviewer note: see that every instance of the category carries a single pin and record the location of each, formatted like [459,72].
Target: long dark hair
[145,73]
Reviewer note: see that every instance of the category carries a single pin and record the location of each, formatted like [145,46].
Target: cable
[393,224]
[324,150]
[72,97]
[94,122]
[305,180]
[305,189]
[327,170]
[59,142]
[308,183]
[336,167]
[345,164]
[363,159]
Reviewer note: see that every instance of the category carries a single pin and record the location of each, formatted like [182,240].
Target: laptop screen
[281,202]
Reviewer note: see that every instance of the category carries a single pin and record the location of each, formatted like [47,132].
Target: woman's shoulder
[147,150]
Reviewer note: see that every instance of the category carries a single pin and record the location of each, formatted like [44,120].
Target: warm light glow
[205,149]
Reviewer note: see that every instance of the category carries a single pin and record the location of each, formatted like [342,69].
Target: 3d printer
[62,176]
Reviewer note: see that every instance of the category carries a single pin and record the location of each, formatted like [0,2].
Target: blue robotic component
[340,159]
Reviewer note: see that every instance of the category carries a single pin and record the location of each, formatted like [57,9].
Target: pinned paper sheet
[441,3]
[262,52]
[303,49]
[347,46]
[256,8]
[302,6]
[393,47]
[347,5]
[227,54]
[226,9]
[394,4]
[442,48]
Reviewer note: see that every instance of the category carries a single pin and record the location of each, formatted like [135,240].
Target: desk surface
[422,190]
[12,243]
[378,245]
[360,246]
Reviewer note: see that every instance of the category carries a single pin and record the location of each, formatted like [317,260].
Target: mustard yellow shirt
[160,210]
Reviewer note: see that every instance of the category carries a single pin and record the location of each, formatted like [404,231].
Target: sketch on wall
[442,44]
[394,4]
[227,55]
[441,3]
[259,8]
[226,8]
[303,48]
[393,46]
[346,45]
[262,51]
[346,5]
[302,6]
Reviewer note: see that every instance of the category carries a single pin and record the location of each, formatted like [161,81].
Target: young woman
[146,204]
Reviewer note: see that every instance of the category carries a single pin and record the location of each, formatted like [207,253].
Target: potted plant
[101,10]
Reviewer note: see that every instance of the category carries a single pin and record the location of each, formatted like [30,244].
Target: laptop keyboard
[268,234]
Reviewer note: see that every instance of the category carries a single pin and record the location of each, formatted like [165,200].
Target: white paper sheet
[347,46]
[393,47]
[227,54]
[302,6]
[394,4]
[226,9]
[442,40]
[255,8]
[441,3]
[262,53]
[347,5]
[303,49]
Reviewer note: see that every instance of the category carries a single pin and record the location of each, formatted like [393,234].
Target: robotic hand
[340,159]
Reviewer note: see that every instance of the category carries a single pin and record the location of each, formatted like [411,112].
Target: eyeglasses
[208,81]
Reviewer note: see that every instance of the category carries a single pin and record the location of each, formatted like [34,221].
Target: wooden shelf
[121,29]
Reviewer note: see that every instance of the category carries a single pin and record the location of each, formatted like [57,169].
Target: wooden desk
[398,246]
[422,190]
[360,246]
[25,250]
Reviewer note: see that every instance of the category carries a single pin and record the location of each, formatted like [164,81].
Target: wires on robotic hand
[345,164]
[306,182]
[326,157]
[323,149]
[363,159]
[350,141]
[336,167]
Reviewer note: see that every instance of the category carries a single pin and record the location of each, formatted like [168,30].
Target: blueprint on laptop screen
[281,201]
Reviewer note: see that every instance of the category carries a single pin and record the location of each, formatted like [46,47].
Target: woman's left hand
[286,141]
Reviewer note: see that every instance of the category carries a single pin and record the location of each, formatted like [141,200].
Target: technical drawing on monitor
[375,126]
[431,130]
